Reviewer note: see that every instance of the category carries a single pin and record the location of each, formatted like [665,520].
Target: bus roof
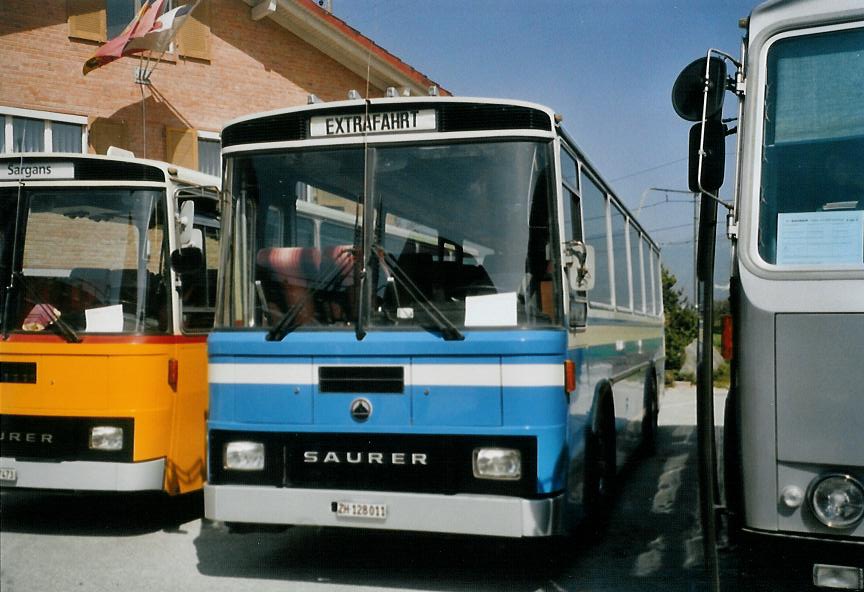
[777,15]
[427,100]
[174,172]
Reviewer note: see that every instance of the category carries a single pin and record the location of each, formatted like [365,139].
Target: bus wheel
[732,469]
[599,468]
[649,421]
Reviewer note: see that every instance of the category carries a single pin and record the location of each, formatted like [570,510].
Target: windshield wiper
[448,330]
[66,331]
[332,278]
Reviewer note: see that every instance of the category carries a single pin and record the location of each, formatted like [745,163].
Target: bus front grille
[54,439]
[374,462]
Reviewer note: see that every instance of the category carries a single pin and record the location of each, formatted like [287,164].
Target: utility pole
[695,220]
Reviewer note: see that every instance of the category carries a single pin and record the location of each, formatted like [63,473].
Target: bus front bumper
[82,475]
[460,514]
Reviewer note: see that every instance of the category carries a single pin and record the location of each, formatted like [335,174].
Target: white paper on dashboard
[491,310]
[820,238]
[106,319]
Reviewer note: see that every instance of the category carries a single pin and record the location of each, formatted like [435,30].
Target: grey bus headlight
[837,501]
[497,463]
[244,456]
[106,438]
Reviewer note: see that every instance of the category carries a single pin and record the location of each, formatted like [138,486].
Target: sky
[607,66]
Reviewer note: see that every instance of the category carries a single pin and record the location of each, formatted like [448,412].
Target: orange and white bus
[107,272]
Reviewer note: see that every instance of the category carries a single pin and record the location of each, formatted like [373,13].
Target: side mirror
[184,222]
[579,262]
[190,258]
[692,89]
[713,153]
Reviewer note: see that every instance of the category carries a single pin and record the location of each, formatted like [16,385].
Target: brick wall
[254,66]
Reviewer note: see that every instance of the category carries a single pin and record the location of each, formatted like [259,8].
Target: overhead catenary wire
[648,170]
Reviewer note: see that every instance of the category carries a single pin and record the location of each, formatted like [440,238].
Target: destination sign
[36,171]
[372,123]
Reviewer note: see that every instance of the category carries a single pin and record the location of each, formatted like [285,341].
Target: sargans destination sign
[31,171]
[372,123]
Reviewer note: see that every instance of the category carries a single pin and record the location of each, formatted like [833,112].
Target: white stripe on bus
[492,375]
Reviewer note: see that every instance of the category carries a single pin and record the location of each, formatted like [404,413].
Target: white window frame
[205,135]
[47,117]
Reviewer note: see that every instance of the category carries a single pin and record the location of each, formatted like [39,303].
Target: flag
[115,48]
[163,31]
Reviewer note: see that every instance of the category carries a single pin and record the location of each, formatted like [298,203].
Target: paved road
[649,542]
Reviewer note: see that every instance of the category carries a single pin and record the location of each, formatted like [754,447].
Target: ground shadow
[648,541]
[96,514]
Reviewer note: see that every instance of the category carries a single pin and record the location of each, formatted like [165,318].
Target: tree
[682,321]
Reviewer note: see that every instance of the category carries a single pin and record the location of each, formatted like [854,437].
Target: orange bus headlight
[106,438]
[837,501]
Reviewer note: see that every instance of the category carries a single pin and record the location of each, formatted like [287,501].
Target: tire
[600,469]
[732,470]
[649,421]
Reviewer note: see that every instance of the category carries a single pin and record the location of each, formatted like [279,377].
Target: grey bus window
[336,234]
[636,266]
[619,247]
[28,135]
[274,230]
[208,156]
[305,232]
[812,176]
[594,211]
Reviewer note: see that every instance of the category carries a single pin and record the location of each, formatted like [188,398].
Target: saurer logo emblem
[361,409]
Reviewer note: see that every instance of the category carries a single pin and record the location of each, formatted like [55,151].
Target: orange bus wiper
[53,314]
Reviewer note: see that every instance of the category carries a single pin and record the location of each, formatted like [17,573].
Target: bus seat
[337,277]
[338,261]
[286,274]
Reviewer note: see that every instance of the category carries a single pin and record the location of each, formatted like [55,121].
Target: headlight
[106,438]
[497,463]
[837,501]
[244,456]
[792,496]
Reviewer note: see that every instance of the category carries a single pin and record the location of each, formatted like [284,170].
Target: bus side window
[198,292]
[595,205]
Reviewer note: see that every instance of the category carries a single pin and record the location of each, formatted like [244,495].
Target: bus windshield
[812,193]
[457,230]
[91,260]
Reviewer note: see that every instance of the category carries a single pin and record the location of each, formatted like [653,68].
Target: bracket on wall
[263,9]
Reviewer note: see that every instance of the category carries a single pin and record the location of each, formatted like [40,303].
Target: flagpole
[142,80]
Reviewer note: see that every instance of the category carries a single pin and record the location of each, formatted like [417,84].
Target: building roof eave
[336,39]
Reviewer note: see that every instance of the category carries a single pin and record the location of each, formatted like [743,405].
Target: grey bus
[793,447]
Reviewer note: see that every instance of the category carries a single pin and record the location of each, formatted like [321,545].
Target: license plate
[358,510]
[8,475]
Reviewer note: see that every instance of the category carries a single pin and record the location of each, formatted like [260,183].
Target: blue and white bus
[433,315]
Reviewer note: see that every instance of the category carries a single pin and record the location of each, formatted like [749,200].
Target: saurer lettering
[27,437]
[367,458]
